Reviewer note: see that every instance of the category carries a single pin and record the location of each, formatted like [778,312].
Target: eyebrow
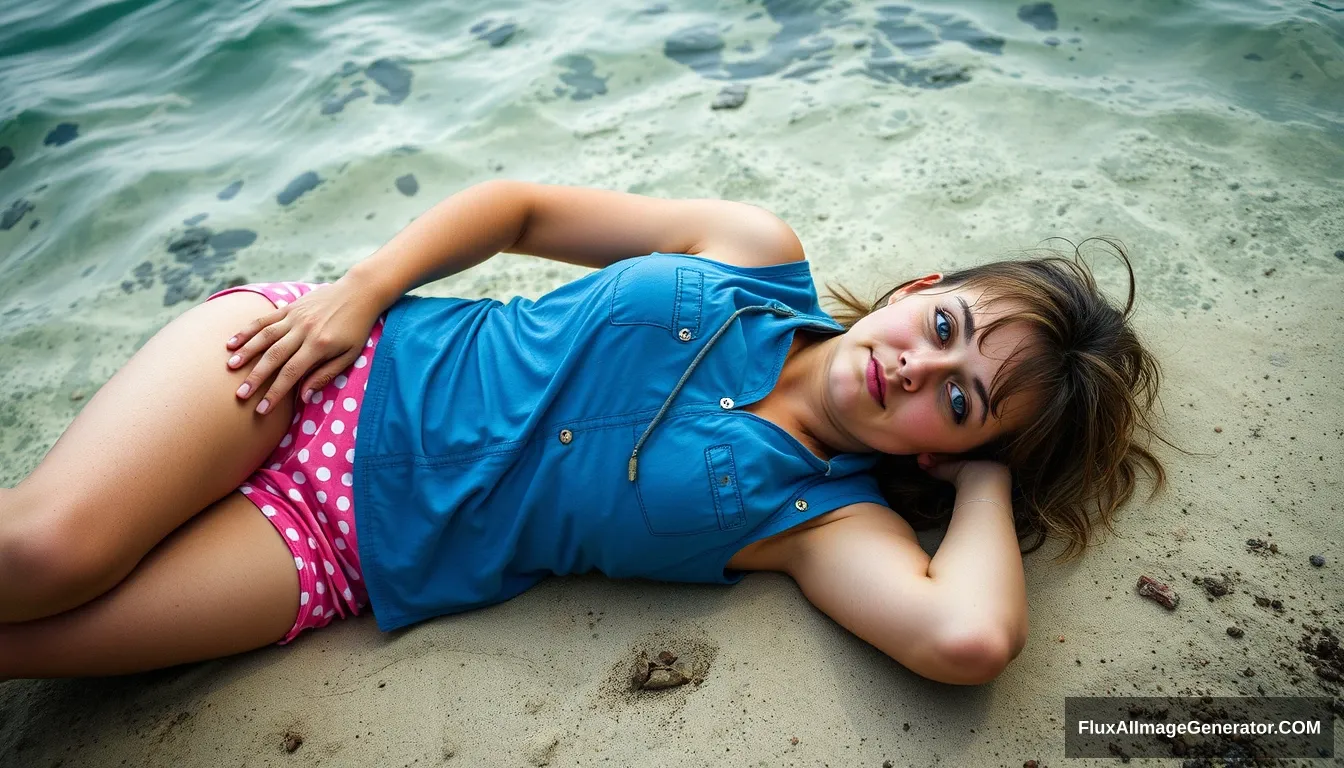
[968,324]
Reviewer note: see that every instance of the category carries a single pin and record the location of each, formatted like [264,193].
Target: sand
[1234,224]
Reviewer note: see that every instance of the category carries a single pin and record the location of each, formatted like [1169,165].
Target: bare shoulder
[749,236]
[785,549]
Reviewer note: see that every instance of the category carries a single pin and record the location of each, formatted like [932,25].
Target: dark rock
[407,185]
[1235,631]
[582,78]
[1317,561]
[496,36]
[333,104]
[1253,57]
[667,677]
[639,673]
[731,97]
[197,219]
[393,78]
[699,39]
[292,741]
[33,226]
[667,657]
[6,157]
[61,134]
[1217,586]
[301,184]
[1039,15]
[228,192]
[230,240]
[199,256]
[14,213]
[1052,41]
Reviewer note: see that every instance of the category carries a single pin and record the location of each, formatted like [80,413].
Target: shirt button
[726,403]
[684,334]
[566,436]
[801,505]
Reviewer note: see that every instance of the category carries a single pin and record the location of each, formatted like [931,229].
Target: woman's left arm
[959,617]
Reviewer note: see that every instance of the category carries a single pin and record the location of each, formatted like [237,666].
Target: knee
[44,566]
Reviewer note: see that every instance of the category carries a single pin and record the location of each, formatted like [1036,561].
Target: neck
[800,397]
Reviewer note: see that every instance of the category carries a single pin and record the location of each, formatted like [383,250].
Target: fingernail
[263,407]
[307,393]
[234,360]
[233,340]
[243,390]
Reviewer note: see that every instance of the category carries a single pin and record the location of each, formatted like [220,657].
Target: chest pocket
[684,491]
[648,292]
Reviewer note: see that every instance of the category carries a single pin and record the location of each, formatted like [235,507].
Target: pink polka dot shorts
[306,486]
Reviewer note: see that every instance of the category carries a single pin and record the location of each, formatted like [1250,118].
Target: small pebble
[78,394]
[1339,255]
[1235,631]
[1317,560]
[292,741]
[731,97]
[1218,429]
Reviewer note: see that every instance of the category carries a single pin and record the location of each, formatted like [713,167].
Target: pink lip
[876,386]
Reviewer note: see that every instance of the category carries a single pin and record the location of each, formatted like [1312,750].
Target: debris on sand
[660,673]
[1323,653]
[1158,592]
[1216,586]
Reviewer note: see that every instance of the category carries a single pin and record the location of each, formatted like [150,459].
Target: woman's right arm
[576,225]
[321,333]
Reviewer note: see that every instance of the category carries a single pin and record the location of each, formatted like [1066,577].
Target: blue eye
[942,325]
[958,399]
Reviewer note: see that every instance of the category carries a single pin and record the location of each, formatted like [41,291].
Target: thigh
[161,440]
[221,584]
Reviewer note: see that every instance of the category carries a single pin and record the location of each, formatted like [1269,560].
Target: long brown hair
[1077,461]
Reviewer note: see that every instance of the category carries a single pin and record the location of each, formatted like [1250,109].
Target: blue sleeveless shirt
[599,427]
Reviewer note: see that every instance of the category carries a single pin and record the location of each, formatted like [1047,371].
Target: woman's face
[910,379]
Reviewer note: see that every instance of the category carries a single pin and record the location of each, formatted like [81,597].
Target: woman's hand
[951,469]
[319,334]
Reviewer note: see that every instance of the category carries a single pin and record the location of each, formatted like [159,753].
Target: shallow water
[152,152]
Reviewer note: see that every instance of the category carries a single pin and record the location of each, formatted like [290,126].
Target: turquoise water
[152,152]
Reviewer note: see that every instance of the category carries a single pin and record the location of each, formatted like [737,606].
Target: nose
[917,367]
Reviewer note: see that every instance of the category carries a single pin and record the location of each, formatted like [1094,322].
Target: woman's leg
[221,584]
[164,438]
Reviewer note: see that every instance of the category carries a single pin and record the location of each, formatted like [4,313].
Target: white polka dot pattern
[308,481]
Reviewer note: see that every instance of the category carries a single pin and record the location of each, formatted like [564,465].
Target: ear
[918,284]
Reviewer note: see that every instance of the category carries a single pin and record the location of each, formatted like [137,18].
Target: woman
[681,417]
